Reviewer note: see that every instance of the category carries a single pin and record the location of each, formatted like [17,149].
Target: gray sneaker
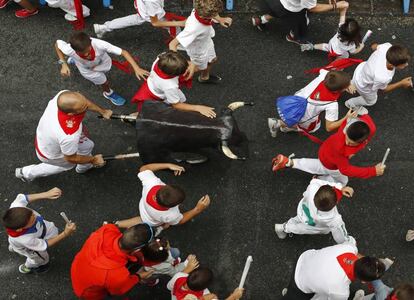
[306,47]
[359,295]
[274,126]
[280,231]
[19,174]
[99,30]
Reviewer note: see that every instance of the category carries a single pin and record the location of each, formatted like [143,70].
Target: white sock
[110,92]
[264,20]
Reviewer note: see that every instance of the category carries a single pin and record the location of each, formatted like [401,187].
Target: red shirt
[99,268]
[334,154]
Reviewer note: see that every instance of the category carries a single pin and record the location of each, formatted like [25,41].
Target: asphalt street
[247,198]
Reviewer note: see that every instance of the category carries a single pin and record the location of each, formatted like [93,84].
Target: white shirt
[319,272]
[102,61]
[52,141]
[309,214]
[168,266]
[150,8]
[195,36]
[298,5]
[314,107]
[149,214]
[373,75]
[341,48]
[166,89]
[32,240]
[171,283]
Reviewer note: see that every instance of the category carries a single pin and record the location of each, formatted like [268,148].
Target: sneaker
[291,38]
[257,22]
[19,174]
[41,269]
[280,231]
[114,98]
[306,47]
[212,79]
[410,235]
[24,13]
[70,18]
[349,105]
[83,169]
[190,158]
[280,162]
[387,262]
[3,3]
[284,291]
[25,270]
[359,295]
[11,249]
[274,126]
[288,129]
[362,111]
[152,282]
[70,61]
[99,30]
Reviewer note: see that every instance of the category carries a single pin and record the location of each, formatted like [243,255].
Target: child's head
[156,250]
[170,195]
[172,63]
[208,8]
[136,237]
[199,279]
[404,291]
[80,42]
[325,198]
[398,56]
[337,81]
[368,268]
[357,132]
[350,32]
[18,218]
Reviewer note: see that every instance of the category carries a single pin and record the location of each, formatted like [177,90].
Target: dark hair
[350,32]
[368,268]
[398,55]
[358,131]
[135,236]
[172,63]
[170,195]
[17,217]
[325,198]
[208,8]
[199,279]
[337,80]
[79,41]
[156,250]
[404,291]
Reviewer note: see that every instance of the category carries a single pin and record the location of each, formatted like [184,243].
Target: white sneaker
[274,126]
[349,105]
[359,295]
[280,231]
[70,18]
[284,291]
[362,111]
[19,174]
[387,262]
[83,169]
[99,30]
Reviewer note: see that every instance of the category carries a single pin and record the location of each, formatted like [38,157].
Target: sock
[110,92]
[264,20]
[290,163]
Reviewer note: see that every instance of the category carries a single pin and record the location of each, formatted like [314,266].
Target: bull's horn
[235,105]
[227,152]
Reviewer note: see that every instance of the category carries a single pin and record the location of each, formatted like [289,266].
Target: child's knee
[342,5]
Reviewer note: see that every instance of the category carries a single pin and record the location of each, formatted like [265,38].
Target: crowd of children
[123,253]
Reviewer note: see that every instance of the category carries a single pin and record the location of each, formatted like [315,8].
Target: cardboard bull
[163,130]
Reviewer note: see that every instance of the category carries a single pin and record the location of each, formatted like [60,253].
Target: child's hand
[177,169]
[407,83]
[141,74]
[352,114]
[69,228]
[209,297]
[203,203]
[106,114]
[192,263]
[374,46]
[351,89]
[237,294]
[206,111]
[225,22]
[54,193]
[189,73]
[347,191]
[145,274]
[65,71]
[380,169]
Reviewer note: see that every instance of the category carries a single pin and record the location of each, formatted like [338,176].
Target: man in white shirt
[159,204]
[326,274]
[61,143]
[377,73]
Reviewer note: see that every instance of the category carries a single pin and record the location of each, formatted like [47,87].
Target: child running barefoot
[346,41]
[91,57]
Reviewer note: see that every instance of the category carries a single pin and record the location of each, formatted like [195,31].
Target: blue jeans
[175,252]
[381,291]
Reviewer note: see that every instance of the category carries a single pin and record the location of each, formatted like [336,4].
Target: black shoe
[212,79]
[190,158]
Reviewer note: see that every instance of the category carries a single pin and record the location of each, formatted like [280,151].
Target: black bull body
[162,130]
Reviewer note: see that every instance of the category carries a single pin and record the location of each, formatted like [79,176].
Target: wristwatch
[61,62]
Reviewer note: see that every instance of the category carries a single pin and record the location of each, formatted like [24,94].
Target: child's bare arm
[405,83]
[173,45]
[202,204]
[334,125]
[51,194]
[65,70]
[162,166]
[202,109]
[128,222]
[140,73]
[69,229]
[237,294]
[159,23]
[192,264]
[342,6]
[224,21]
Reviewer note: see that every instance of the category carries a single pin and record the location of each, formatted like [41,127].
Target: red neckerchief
[14,233]
[392,297]
[91,54]
[207,22]
[182,82]
[347,262]
[321,93]
[332,55]
[338,193]
[70,123]
[152,198]
[338,64]
[180,293]
[160,73]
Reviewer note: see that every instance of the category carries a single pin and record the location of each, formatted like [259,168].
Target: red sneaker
[24,13]
[280,161]
[3,3]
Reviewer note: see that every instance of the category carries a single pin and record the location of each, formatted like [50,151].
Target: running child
[91,57]
[30,235]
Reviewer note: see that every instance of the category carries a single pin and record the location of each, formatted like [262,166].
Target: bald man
[61,143]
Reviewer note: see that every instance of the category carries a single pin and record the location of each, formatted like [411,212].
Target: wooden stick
[120,156]
[245,271]
[385,156]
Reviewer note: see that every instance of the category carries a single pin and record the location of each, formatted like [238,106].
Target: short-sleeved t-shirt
[102,59]
[196,37]
[150,8]
[298,5]
[32,239]
[373,75]
[52,141]
[150,214]
[341,48]
[166,89]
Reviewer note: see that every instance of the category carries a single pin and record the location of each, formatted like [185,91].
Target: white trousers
[68,6]
[314,166]
[362,100]
[55,166]
[128,21]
